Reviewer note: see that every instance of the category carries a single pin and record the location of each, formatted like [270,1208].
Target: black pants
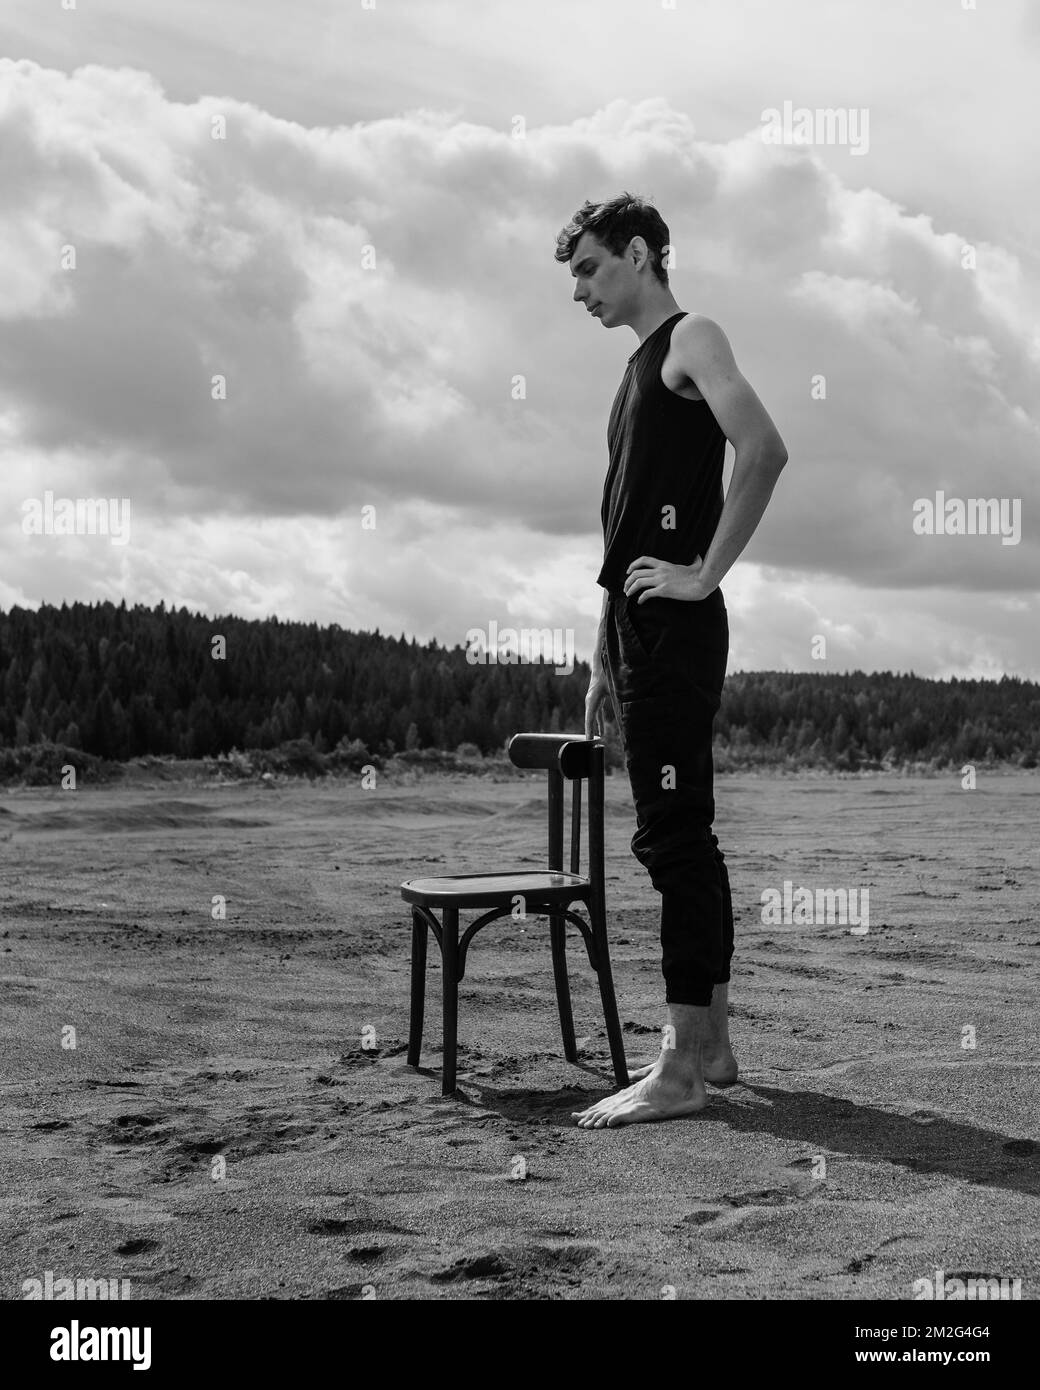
[665,662]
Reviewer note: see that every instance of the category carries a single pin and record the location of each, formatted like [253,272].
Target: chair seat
[497,890]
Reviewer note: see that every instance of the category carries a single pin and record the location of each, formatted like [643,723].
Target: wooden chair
[547,892]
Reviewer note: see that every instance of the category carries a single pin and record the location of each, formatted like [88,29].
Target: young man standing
[669,539]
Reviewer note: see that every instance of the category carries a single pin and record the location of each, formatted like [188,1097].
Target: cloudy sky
[348,211]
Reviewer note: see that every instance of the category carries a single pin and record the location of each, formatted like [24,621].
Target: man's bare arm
[601,634]
[704,354]
[597,698]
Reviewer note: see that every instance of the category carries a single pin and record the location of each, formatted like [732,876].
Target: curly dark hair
[615,223]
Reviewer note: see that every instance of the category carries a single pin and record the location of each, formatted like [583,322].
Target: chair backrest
[575,758]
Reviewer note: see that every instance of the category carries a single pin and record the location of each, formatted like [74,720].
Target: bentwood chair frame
[549,892]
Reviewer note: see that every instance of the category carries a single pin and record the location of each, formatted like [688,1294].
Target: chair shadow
[823,1124]
[540,1102]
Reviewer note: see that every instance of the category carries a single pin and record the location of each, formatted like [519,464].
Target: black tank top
[665,451]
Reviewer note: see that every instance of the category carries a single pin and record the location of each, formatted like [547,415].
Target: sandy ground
[220,1131]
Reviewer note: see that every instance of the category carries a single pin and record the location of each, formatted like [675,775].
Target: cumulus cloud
[372,293]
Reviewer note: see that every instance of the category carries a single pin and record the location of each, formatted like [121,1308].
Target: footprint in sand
[539,1264]
[367,1254]
[356,1226]
[1021,1148]
[140,1246]
[764,1197]
[487,1266]
[702,1216]
[134,1129]
[202,1147]
[796,1188]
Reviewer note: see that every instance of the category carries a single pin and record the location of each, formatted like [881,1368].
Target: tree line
[120,683]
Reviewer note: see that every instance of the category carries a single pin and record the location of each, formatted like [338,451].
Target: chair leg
[450,984]
[606,994]
[558,936]
[420,935]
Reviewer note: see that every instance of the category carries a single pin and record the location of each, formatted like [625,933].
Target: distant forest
[120,683]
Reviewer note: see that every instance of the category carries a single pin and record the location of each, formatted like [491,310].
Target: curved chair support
[471,931]
[586,935]
[496,913]
[430,920]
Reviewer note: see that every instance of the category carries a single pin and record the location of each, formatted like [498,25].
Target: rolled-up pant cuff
[697,995]
[692,992]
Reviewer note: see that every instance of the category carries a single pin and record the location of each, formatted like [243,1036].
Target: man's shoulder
[698,329]
[698,340]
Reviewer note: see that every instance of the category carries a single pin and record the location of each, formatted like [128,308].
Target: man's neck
[653,315]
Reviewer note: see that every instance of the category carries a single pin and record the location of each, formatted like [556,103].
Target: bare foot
[665,1094]
[720,1068]
[719,1064]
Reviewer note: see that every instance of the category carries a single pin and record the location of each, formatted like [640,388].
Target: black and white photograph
[520,667]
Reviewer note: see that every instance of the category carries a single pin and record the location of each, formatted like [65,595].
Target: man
[670,536]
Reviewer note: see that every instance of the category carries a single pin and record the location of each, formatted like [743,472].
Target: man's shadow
[821,1124]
